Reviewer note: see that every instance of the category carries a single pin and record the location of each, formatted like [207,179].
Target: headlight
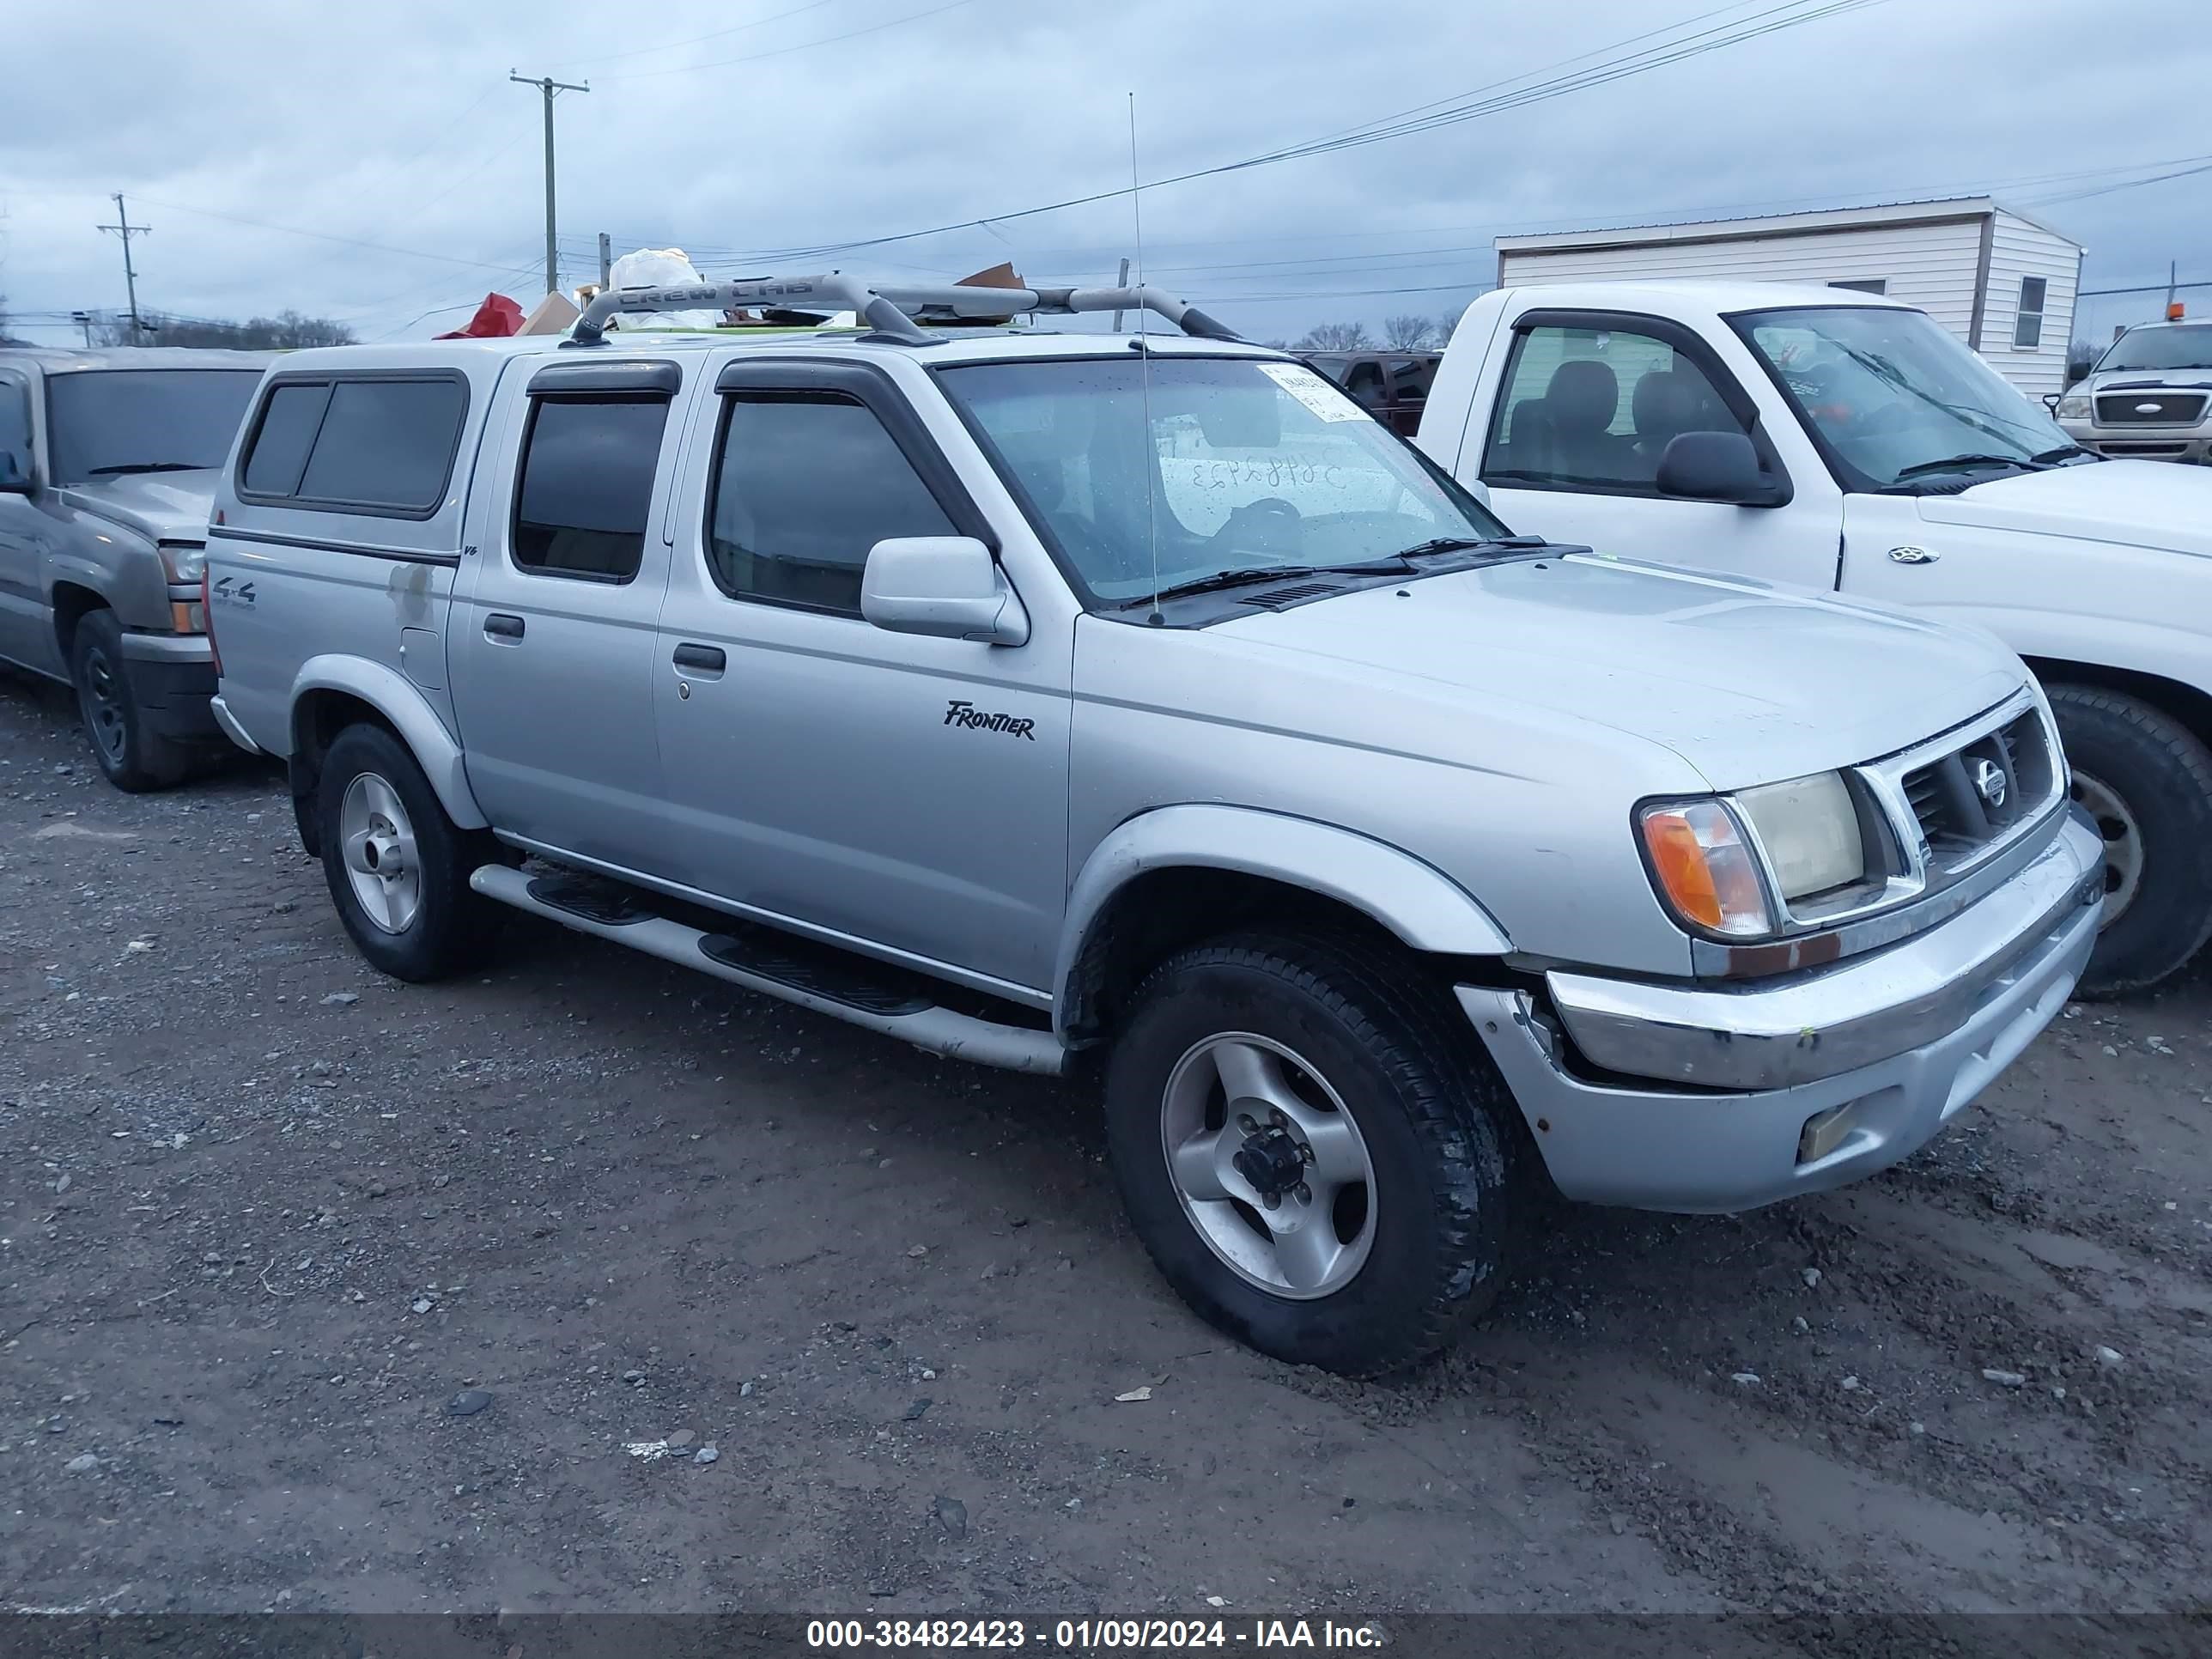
[183,561]
[2073,407]
[1705,855]
[1809,831]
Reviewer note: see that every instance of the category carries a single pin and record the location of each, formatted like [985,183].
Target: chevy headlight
[1705,856]
[2074,406]
[183,561]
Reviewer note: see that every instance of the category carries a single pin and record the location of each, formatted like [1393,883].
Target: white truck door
[1574,411]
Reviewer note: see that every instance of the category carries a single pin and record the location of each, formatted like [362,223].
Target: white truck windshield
[1241,464]
[1895,400]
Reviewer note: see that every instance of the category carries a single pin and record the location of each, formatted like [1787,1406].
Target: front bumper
[2144,443]
[171,679]
[1903,1039]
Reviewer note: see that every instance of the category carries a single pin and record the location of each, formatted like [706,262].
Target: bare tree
[1335,336]
[1445,325]
[1408,332]
[287,331]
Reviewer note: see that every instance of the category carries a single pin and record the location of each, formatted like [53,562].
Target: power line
[804,45]
[597,59]
[1635,63]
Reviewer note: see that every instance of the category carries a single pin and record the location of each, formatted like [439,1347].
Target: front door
[24,626]
[1583,409]
[552,652]
[901,793]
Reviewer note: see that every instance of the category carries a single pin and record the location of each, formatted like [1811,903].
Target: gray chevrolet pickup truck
[1059,699]
[107,466]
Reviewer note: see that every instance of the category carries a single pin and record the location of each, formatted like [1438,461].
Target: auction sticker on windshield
[1315,393]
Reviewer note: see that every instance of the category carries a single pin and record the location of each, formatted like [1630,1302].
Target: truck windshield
[1895,400]
[2187,347]
[1241,464]
[108,422]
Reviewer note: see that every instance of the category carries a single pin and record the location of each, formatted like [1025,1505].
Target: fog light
[1824,1131]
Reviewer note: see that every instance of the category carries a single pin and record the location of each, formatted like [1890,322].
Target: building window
[1865,284]
[2028,331]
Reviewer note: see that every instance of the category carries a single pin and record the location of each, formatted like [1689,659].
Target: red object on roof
[495,319]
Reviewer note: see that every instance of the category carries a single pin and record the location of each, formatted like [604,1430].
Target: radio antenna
[1147,452]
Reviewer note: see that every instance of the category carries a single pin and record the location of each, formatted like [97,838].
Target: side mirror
[15,473]
[1714,466]
[946,586]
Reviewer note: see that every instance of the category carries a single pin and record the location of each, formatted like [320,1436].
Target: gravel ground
[318,1291]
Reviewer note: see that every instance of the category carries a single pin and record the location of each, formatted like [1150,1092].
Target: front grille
[1970,799]
[2150,408]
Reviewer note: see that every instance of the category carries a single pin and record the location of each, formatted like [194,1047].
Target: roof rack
[894,312]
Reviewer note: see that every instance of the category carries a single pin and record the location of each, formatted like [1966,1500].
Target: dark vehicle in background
[1391,386]
[108,462]
[2149,396]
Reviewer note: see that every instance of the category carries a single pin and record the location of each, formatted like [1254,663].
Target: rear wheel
[130,756]
[2146,781]
[1314,1154]
[397,867]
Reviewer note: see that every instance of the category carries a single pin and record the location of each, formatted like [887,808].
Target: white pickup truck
[1845,442]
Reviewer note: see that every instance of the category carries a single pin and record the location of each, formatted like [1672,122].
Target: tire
[397,867]
[2148,781]
[130,757]
[1332,1021]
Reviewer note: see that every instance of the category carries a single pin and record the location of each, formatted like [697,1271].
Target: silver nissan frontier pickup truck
[1051,698]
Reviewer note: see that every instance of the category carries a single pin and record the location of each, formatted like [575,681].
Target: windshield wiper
[1960,463]
[145,466]
[1466,543]
[1246,575]
[2064,452]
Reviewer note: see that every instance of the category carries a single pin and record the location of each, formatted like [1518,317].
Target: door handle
[701,659]
[501,626]
[1912,556]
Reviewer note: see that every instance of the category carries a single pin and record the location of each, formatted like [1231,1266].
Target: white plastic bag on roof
[659,267]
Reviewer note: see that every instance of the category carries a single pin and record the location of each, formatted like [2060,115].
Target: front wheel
[397,867]
[130,757]
[2146,781]
[1313,1156]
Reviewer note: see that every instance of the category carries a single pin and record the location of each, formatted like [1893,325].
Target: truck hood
[2153,504]
[1746,682]
[162,507]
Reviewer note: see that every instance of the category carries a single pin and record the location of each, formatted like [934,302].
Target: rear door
[1583,405]
[552,655]
[827,772]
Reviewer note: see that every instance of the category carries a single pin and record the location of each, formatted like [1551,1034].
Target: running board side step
[940,1030]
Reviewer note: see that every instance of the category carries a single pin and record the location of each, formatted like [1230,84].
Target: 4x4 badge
[961,713]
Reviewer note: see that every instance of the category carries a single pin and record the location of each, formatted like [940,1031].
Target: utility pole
[606,262]
[126,230]
[83,319]
[549,86]
[2172,277]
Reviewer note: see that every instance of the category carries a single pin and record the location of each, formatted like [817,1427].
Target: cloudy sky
[373,164]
